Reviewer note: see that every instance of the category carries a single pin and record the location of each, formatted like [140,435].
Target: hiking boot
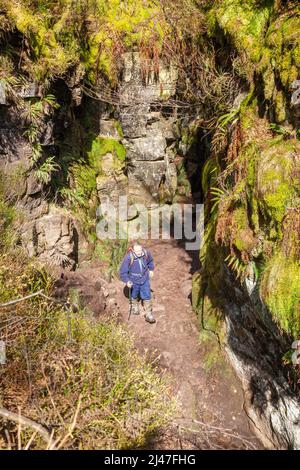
[148,312]
[135,309]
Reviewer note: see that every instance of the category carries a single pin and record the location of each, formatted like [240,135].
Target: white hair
[137,246]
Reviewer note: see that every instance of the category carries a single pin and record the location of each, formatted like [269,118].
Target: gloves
[151,273]
[129,284]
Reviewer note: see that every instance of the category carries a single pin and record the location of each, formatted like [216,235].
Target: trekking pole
[130,302]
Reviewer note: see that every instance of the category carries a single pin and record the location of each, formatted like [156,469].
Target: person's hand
[129,284]
[151,273]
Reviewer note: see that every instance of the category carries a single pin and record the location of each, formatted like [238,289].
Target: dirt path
[211,397]
[211,413]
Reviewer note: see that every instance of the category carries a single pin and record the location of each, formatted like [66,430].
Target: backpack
[132,256]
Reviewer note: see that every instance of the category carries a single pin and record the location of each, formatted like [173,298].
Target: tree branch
[21,420]
[12,302]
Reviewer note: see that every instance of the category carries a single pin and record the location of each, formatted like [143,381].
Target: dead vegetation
[70,381]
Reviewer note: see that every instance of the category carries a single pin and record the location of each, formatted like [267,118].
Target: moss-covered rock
[244,22]
[256,197]
[106,157]
[280,48]
[291,231]
[275,187]
[94,34]
[51,54]
[242,234]
[104,145]
[280,291]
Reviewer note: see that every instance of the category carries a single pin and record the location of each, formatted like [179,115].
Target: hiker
[136,269]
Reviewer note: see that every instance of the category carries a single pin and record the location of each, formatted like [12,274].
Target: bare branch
[12,302]
[21,420]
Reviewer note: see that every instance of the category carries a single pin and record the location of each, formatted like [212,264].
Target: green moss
[212,259]
[118,24]
[280,107]
[244,22]
[198,291]
[242,235]
[54,34]
[119,128]
[85,175]
[7,215]
[291,230]
[50,55]
[254,214]
[296,54]
[269,83]
[251,153]
[248,112]
[274,185]
[212,333]
[82,174]
[260,221]
[281,49]
[102,146]
[209,174]
[280,291]
[267,42]
[277,201]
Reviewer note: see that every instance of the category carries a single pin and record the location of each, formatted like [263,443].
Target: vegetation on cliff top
[58,34]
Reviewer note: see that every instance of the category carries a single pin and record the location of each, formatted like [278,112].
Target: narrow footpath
[211,399]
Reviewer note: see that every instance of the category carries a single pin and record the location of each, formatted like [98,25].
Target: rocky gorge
[107,101]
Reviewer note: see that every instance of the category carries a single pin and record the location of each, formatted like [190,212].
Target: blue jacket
[136,269]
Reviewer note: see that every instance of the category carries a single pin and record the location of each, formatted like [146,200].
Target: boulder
[147,148]
[52,238]
[113,183]
[144,180]
[34,186]
[83,290]
[255,349]
[109,128]
[13,145]
[46,135]
[134,120]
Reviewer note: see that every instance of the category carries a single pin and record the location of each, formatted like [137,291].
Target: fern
[58,257]
[73,196]
[33,112]
[209,171]
[51,101]
[31,133]
[236,265]
[218,195]
[44,172]
[231,117]
[279,129]
[36,152]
